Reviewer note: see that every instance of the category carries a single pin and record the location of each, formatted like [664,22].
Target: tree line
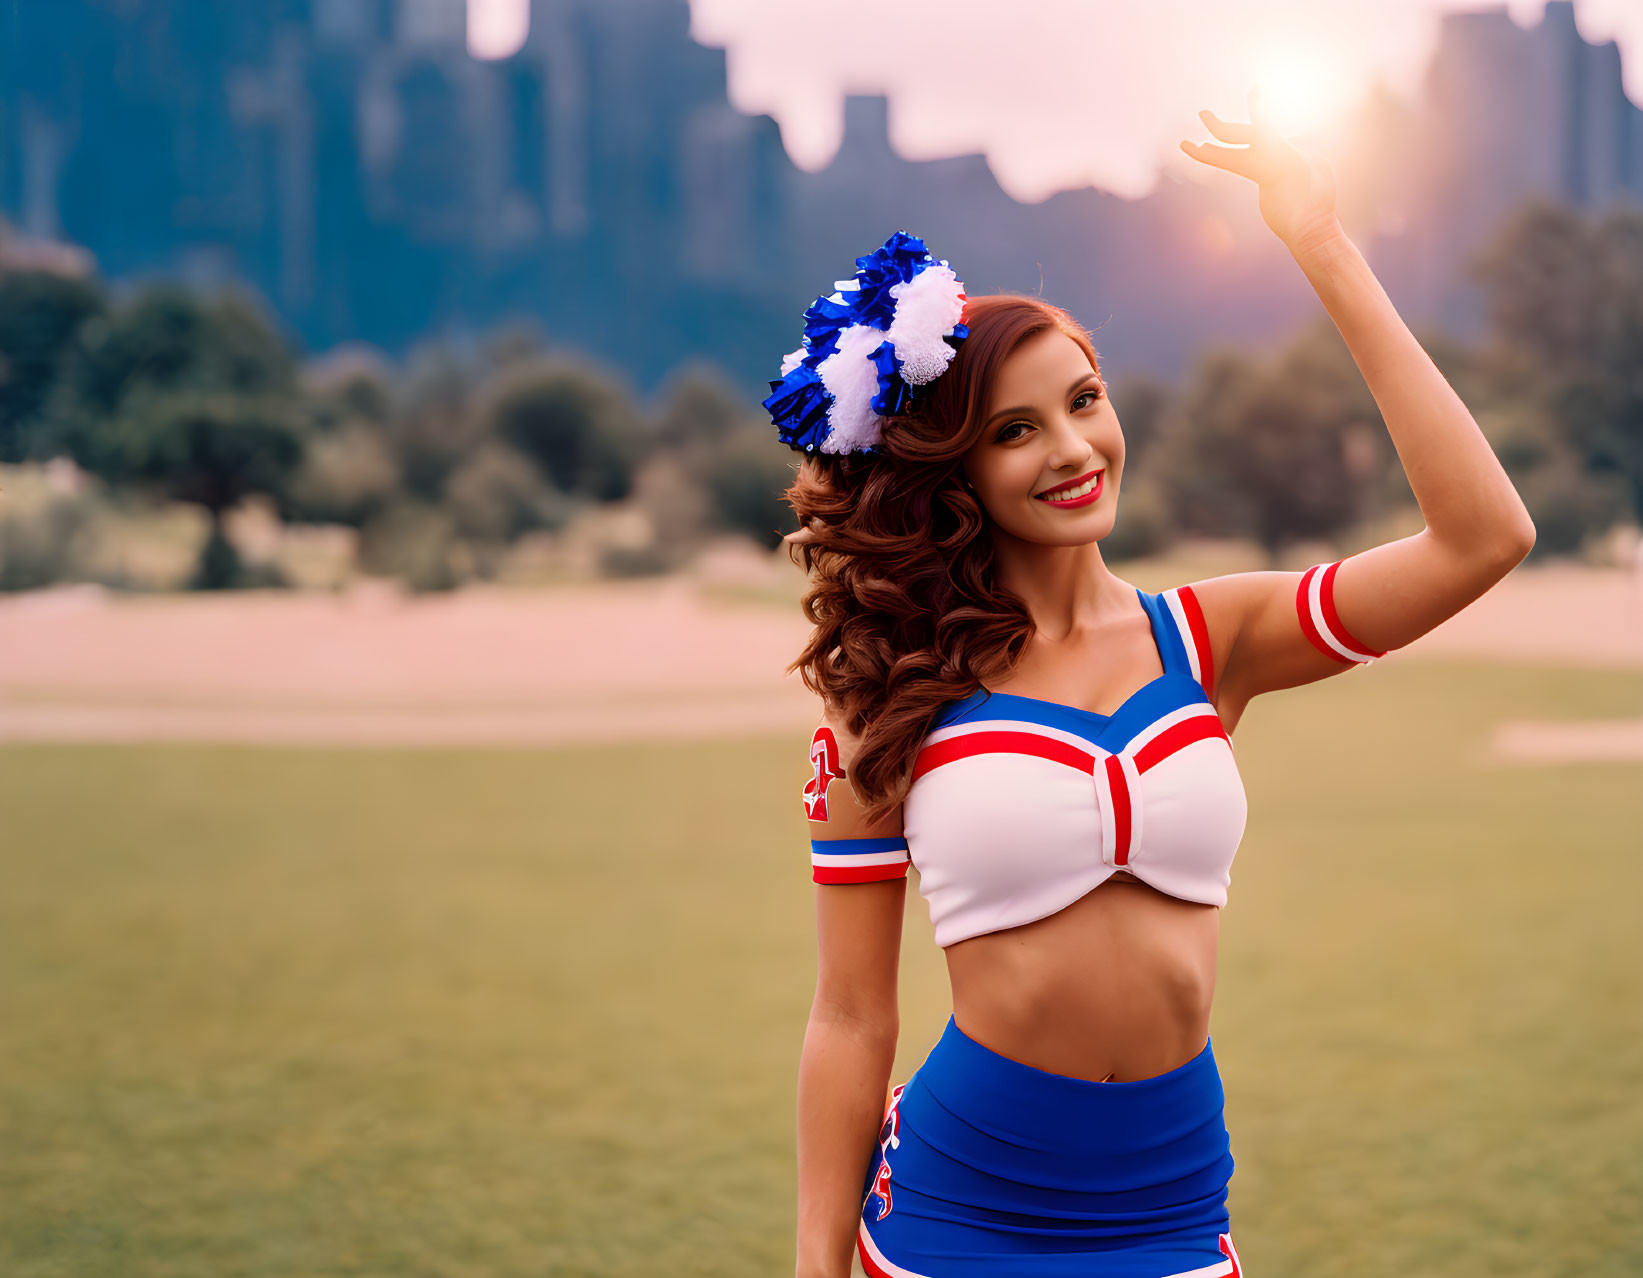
[168,394]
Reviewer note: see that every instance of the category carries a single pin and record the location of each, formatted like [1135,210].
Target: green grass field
[530,1012]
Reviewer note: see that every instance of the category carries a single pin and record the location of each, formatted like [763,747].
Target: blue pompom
[800,404]
[902,257]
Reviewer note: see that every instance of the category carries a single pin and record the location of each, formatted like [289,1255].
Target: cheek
[1113,450]
[1010,476]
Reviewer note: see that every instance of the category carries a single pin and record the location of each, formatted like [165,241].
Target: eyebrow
[1007,412]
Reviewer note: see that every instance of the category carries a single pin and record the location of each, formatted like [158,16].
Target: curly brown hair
[908,616]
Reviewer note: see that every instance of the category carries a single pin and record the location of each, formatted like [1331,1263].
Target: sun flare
[1304,91]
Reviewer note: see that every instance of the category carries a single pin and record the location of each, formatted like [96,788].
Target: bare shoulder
[1209,614]
[831,796]
[1259,625]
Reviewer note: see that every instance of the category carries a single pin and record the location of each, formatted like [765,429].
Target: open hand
[1297,193]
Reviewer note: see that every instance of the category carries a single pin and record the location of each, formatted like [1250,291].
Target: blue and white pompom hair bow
[868,348]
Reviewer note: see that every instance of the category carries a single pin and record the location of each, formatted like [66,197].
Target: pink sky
[1067,92]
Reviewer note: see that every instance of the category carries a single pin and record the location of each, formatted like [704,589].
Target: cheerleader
[1051,747]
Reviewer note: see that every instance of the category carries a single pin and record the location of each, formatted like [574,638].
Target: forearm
[844,1072]
[1464,494]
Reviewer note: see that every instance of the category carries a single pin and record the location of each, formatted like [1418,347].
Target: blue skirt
[987,1166]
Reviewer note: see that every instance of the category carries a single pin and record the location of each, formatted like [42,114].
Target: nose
[1068,446]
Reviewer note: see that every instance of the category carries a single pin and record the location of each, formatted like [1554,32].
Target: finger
[1222,157]
[1227,130]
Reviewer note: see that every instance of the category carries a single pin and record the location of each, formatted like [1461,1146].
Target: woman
[1050,746]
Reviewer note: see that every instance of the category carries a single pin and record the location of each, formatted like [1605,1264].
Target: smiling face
[1050,430]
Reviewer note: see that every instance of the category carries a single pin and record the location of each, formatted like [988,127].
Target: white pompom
[928,307]
[793,359]
[852,379]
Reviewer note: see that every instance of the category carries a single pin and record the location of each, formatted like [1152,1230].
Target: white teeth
[1067,494]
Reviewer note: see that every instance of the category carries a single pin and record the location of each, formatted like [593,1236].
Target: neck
[1067,589]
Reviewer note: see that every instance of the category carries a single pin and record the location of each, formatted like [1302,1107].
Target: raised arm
[1272,630]
[1280,629]
[850,1043]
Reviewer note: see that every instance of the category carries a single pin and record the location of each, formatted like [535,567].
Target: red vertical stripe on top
[1121,810]
[1326,597]
[1200,637]
[1304,609]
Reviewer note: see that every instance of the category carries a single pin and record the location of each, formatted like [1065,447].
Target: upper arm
[860,870]
[1281,629]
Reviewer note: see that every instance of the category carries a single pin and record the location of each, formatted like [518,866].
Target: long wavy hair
[908,615]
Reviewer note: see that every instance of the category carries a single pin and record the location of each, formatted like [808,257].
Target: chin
[1080,534]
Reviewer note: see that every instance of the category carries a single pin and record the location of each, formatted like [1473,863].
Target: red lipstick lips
[1092,496]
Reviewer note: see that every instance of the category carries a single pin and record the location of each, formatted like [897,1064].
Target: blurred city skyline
[1093,118]
[357,165]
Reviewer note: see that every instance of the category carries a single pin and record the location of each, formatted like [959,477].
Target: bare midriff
[1119,984]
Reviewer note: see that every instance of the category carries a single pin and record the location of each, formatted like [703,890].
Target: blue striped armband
[858,860]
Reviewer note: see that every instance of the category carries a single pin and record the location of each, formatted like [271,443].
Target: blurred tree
[1467,368]
[1143,525]
[194,398]
[352,383]
[433,425]
[1260,448]
[414,541]
[1201,503]
[1141,402]
[498,494]
[351,462]
[210,448]
[45,527]
[41,313]
[347,475]
[745,483]
[698,405]
[676,501]
[164,337]
[575,421]
[1569,503]
[1565,298]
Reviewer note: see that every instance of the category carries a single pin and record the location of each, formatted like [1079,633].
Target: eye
[1093,394]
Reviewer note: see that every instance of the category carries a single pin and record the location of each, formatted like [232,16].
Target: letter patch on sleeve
[824,758]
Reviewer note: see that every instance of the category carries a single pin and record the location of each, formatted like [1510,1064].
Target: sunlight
[1305,93]
[497,28]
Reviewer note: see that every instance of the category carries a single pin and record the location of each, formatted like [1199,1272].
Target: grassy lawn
[527,1012]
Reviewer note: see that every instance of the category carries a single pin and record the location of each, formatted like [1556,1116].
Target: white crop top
[1019,806]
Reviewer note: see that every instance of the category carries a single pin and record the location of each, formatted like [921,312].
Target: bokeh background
[404,865]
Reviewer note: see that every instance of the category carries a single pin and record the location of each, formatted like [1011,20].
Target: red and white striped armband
[859,860]
[1321,624]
